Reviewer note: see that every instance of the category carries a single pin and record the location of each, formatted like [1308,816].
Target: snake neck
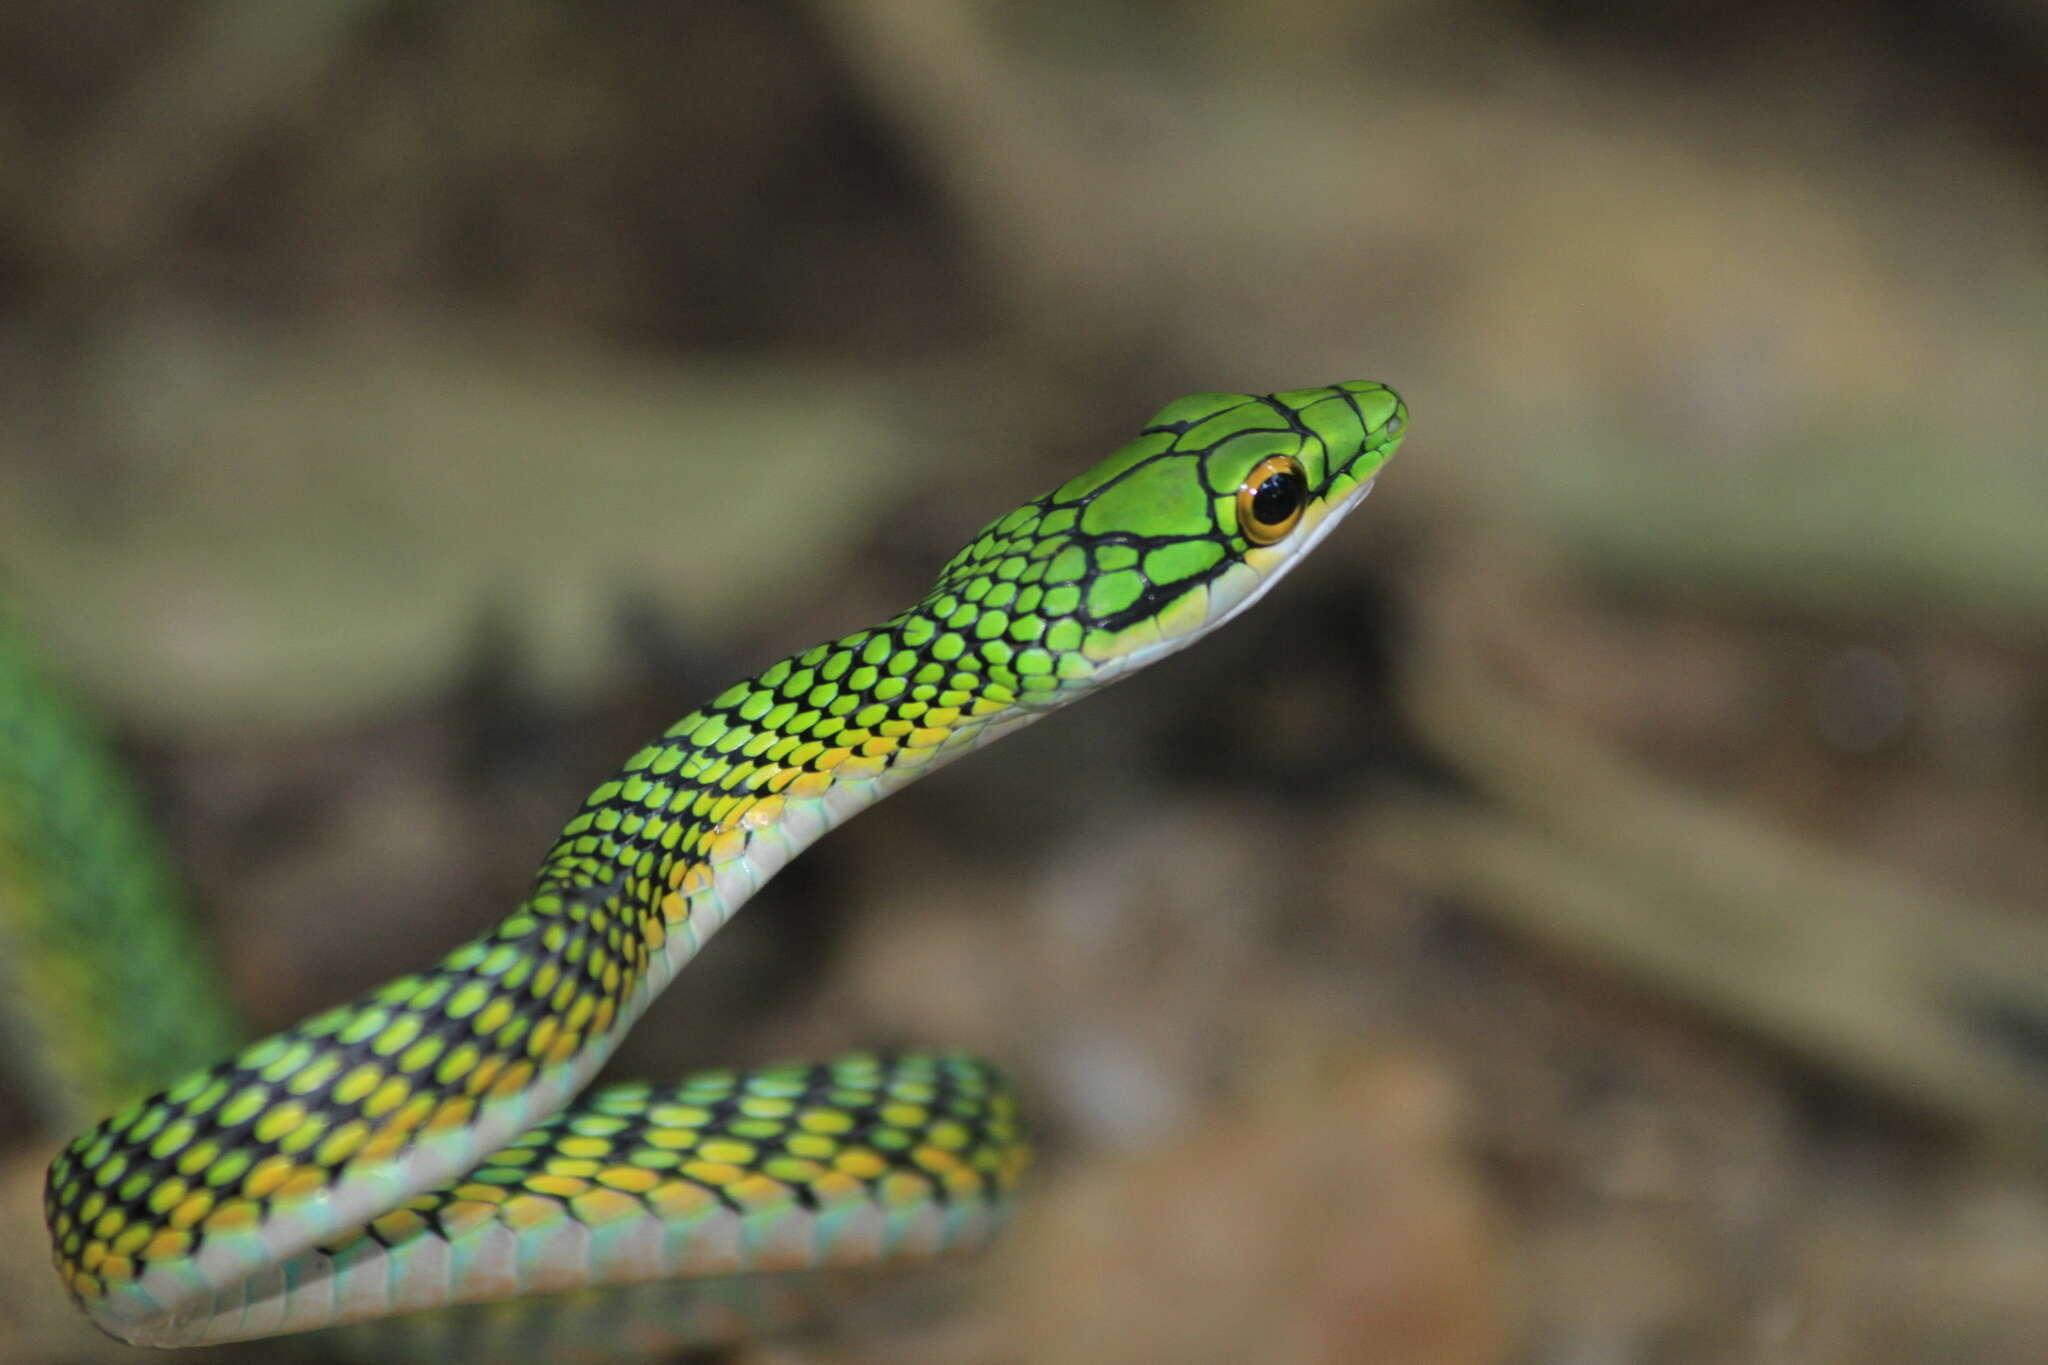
[693,823]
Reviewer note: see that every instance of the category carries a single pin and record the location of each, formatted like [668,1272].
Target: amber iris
[1271,499]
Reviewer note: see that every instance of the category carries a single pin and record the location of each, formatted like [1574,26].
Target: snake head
[1174,534]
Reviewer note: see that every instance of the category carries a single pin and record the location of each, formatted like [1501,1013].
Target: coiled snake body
[426,1144]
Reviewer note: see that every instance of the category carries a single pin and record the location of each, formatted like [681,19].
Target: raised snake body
[427,1144]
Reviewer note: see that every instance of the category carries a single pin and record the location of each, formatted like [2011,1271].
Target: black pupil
[1276,498]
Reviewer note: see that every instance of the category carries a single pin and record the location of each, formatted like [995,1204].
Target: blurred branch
[1933,513]
[1931,1000]
[238,66]
[995,151]
[267,504]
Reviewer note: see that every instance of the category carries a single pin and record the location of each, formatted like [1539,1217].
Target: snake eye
[1271,498]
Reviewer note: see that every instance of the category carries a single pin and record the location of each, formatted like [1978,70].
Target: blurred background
[1590,915]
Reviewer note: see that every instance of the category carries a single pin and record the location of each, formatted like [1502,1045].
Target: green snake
[432,1143]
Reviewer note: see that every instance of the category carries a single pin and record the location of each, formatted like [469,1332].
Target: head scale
[1170,536]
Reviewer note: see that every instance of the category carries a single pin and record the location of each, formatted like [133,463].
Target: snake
[437,1141]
